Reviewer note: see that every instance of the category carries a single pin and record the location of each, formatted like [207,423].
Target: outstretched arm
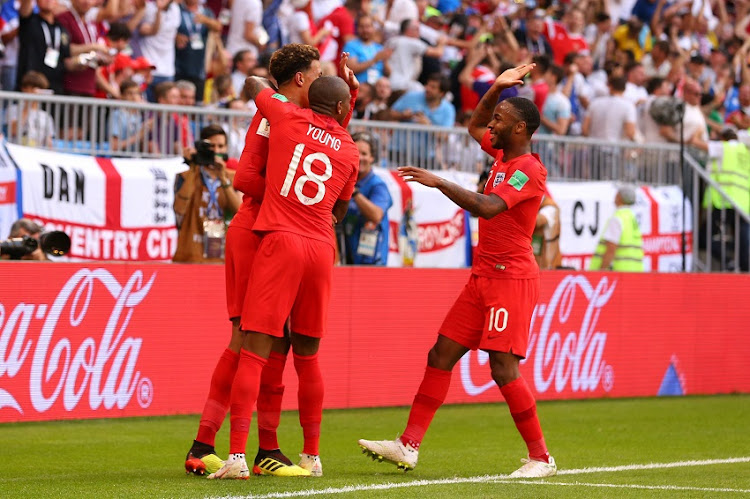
[478,204]
[483,112]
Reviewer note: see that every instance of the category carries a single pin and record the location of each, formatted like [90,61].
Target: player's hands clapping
[346,73]
[424,177]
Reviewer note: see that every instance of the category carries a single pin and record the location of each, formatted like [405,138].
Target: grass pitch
[657,447]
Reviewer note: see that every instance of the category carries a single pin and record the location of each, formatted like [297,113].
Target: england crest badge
[499,177]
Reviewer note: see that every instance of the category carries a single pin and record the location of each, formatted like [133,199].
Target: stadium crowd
[599,65]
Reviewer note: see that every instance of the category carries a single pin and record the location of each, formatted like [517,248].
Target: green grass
[143,457]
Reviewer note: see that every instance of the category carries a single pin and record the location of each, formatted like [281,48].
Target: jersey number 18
[309,176]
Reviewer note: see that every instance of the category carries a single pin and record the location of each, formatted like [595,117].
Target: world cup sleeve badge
[499,177]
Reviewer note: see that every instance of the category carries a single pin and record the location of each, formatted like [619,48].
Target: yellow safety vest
[733,175]
[629,252]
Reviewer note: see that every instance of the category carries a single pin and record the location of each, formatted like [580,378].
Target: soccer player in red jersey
[294,67]
[310,175]
[493,312]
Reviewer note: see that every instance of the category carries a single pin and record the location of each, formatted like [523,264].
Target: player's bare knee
[504,369]
[304,345]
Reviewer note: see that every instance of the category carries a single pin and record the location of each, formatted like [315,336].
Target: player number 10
[498,319]
[309,176]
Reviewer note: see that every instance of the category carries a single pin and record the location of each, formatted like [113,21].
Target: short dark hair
[557,72]
[662,45]
[127,85]
[653,84]
[618,83]
[542,62]
[34,79]
[527,111]
[443,81]
[26,224]
[631,66]
[162,89]
[290,60]
[404,26]
[119,31]
[570,57]
[238,58]
[211,130]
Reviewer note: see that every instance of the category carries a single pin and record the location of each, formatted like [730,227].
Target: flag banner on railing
[116,340]
[112,209]
[8,193]
[585,208]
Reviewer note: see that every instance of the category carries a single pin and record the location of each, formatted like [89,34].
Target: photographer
[25,227]
[204,199]
[366,222]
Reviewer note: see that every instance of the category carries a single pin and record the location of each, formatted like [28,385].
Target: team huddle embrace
[297,172]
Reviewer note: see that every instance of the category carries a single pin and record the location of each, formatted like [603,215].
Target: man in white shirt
[246,27]
[634,89]
[406,59]
[613,117]
[158,31]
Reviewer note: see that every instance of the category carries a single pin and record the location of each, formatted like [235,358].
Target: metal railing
[119,128]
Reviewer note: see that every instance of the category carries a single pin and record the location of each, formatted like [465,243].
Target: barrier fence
[109,128]
[99,341]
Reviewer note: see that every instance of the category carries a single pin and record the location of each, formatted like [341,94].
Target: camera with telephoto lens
[55,243]
[204,154]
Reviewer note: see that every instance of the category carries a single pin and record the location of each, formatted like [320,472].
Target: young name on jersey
[323,137]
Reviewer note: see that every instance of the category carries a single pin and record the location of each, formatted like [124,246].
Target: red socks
[217,403]
[523,410]
[427,401]
[310,399]
[269,401]
[244,395]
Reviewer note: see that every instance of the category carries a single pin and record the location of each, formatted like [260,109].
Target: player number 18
[498,319]
[309,176]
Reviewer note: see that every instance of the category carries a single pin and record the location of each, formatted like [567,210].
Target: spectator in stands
[556,113]
[223,91]
[196,22]
[236,129]
[28,124]
[112,76]
[634,90]
[633,37]
[158,31]
[170,134]
[531,35]
[656,62]
[340,23]
[143,72]
[611,118]
[9,37]
[652,131]
[301,27]
[243,64]
[364,98]
[538,75]
[741,117]
[366,223]
[246,28]
[204,201]
[566,36]
[188,92]
[127,129]
[84,42]
[598,36]
[44,45]
[367,58]
[380,100]
[406,57]
[478,75]
[26,227]
[694,122]
[425,107]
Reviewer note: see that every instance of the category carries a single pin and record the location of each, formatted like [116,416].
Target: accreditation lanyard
[48,36]
[192,28]
[212,210]
[88,36]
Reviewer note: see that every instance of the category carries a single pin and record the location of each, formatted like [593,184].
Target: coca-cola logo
[102,364]
[565,347]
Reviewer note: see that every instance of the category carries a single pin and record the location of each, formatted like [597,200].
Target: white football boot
[535,469]
[311,463]
[393,451]
[235,467]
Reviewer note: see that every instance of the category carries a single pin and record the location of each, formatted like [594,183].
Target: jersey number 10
[309,176]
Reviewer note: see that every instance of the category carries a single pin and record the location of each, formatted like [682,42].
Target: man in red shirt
[493,312]
[310,175]
[567,36]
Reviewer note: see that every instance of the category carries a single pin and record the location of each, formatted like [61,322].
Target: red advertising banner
[85,341]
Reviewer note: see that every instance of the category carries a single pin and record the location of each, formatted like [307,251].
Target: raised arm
[255,84]
[483,112]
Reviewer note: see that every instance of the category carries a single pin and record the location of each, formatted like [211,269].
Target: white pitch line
[506,479]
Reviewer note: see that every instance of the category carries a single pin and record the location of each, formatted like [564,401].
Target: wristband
[227,185]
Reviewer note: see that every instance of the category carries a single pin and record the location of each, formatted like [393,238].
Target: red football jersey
[504,249]
[312,163]
[250,175]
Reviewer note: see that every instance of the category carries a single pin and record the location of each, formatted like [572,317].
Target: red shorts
[493,314]
[291,277]
[240,247]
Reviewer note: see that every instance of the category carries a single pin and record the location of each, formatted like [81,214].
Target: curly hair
[290,60]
